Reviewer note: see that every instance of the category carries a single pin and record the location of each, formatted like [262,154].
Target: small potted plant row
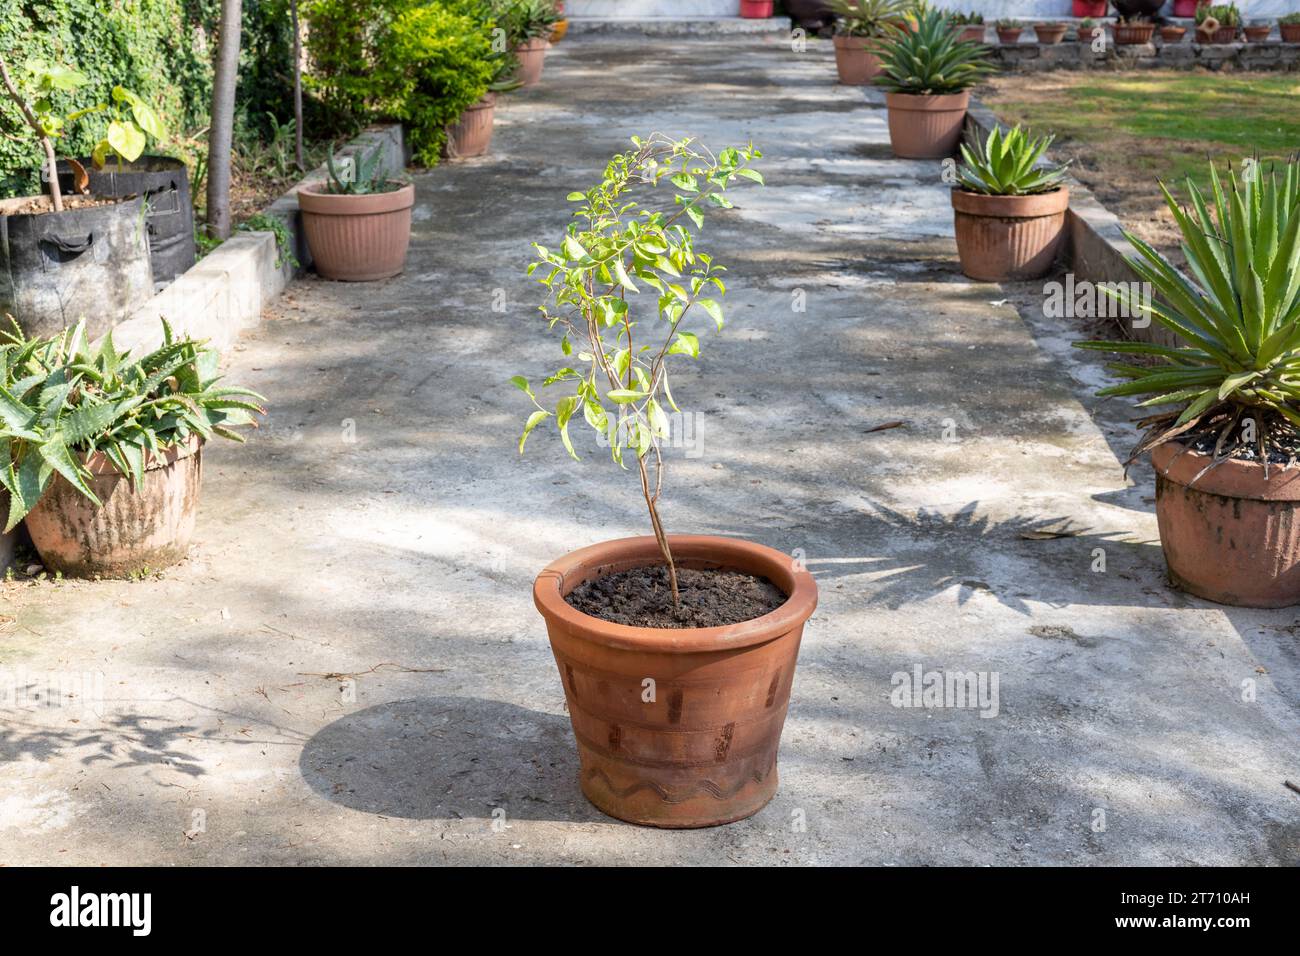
[927,74]
[676,652]
[971,26]
[1222,407]
[101,453]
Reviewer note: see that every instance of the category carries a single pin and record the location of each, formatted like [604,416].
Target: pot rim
[800,587]
[344,204]
[927,102]
[97,463]
[1233,478]
[1035,206]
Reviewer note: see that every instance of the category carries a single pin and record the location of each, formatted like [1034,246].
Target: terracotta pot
[357,238]
[926,127]
[1290,32]
[1221,35]
[855,62]
[1172,34]
[532,55]
[756,9]
[134,530]
[1233,537]
[1185,8]
[1009,237]
[471,135]
[1131,34]
[703,751]
[561,27]
[1089,8]
[972,33]
[1257,34]
[1009,37]
[1087,36]
[1050,33]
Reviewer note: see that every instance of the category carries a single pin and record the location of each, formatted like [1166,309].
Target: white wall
[633,9]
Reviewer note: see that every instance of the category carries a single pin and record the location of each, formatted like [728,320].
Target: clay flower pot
[1049,33]
[471,135]
[703,751]
[1088,8]
[561,27]
[1009,37]
[854,61]
[1290,32]
[1173,34]
[972,33]
[756,9]
[1217,35]
[1131,34]
[357,238]
[532,55]
[1090,34]
[926,127]
[1233,537]
[1009,237]
[135,529]
[1257,34]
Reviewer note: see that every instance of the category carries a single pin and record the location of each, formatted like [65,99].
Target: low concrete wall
[226,290]
[991,9]
[1028,56]
[1095,249]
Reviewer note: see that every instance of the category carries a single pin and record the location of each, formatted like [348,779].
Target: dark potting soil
[1282,445]
[641,597]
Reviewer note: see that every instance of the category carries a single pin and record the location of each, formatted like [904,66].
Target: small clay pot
[972,33]
[1131,34]
[756,9]
[1171,35]
[532,55]
[855,62]
[1290,32]
[1233,537]
[1090,34]
[1009,237]
[1049,33]
[701,749]
[926,127]
[357,238]
[1221,35]
[471,135]
[1257,34]
[136,529]
[1009,37]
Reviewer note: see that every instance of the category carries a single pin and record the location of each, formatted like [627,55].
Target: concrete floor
[1125,731]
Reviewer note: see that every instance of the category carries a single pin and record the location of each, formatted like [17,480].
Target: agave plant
[61,400]
[366,177]
[867,18]
[930,59]
[1007,165]
[1239,322]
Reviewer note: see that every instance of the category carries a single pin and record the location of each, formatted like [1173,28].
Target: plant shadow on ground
[449,757]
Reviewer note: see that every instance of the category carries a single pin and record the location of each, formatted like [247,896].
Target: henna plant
[616,247]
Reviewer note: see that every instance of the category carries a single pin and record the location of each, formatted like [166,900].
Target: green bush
[154,47]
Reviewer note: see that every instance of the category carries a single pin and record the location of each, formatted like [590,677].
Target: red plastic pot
[1089,8]
[756,9]
[1185,8]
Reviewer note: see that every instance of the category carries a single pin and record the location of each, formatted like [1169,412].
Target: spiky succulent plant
[1007,164]
[930,59]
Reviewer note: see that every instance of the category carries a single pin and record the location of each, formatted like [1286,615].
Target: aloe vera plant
[365,178]
[931,59]
[62,400]
[619,290]
[1238,316]
[1007,165]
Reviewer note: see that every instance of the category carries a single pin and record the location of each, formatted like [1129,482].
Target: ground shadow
[449,757]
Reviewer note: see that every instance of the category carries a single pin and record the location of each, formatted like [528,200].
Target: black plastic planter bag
[58,268]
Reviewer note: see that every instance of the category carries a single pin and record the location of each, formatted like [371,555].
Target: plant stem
[659,531]
[56,194]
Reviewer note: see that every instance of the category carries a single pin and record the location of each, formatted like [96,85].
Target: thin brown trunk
[51,163]
[659,530]
[297,89]
[221,133]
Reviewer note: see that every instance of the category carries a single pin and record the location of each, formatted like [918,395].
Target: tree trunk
[221,132]
[297,89]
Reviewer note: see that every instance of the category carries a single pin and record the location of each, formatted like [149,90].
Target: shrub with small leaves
[621,286]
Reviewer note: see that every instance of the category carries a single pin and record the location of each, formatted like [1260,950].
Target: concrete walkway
[382,526]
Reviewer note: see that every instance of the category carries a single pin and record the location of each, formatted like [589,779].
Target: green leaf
[126,139]
[715,311]
[58,457]
[623,396]
[535,419]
